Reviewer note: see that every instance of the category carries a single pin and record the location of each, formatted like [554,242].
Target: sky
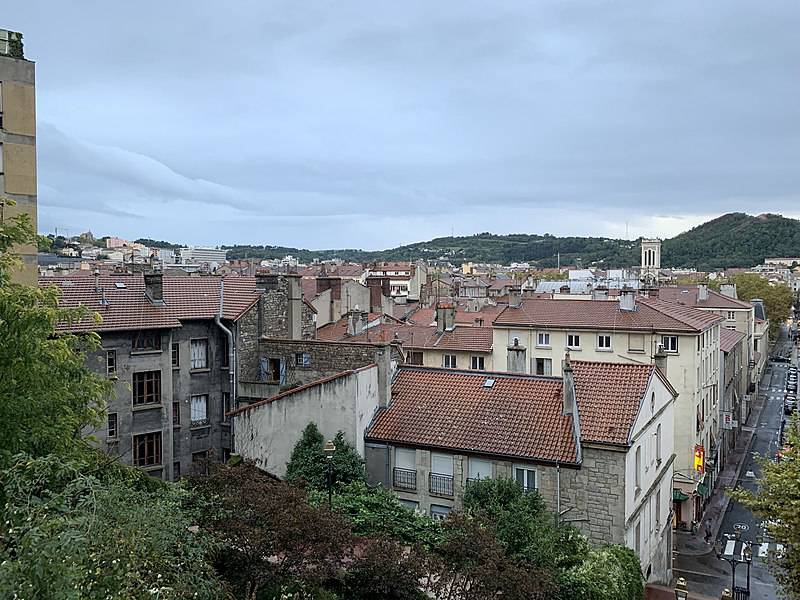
[373,124]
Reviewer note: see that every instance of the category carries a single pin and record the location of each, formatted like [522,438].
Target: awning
[702,487]
[678,496]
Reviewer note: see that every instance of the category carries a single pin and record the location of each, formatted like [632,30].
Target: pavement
[693,558]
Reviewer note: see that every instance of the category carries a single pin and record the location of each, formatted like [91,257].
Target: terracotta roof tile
[128,308]
[650,314]
[688,295]
[464,339]
[728,338]
[518,416]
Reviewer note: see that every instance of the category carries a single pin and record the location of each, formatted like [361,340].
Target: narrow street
[709,575]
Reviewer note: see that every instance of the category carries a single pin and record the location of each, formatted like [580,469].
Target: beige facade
[18,145]
[451,359]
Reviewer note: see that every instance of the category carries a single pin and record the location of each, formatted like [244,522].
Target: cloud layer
[370,124]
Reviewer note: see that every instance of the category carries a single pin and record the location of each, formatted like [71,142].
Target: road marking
[750,474]
[729,547]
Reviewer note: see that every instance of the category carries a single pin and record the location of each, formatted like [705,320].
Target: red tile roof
[688,294]
[128,308]
[728,338]
[463,339]
[426,316]
[519,416]
[346,271]
[650,314]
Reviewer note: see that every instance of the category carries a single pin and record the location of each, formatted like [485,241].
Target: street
[709,575]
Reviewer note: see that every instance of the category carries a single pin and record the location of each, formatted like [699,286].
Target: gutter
[231,357]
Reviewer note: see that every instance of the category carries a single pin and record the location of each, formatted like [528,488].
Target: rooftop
[689,295]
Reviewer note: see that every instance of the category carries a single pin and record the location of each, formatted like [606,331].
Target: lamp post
[726,595]
[734,560]
[330,448]
[681,590]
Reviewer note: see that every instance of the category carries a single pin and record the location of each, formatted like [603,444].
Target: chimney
[729,290]
[568,386]
[266,281]
[154,287]
[334,284]
[660,359]
[355,322]
[514,298]
[96,281]
[294,308]
[702,292]
[445,316]
[378,286]
[600,293]
[627,300]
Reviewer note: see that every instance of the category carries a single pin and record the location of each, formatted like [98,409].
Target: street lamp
[726,595]
[330,448]
[681,590]
[734,559]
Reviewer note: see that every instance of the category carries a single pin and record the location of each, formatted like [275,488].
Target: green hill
[732,240]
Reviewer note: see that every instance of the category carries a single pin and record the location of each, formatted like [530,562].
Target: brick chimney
[660,360]
[568,387]
[154,287]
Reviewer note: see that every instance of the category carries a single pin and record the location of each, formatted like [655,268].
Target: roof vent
[488,383]
[119,285]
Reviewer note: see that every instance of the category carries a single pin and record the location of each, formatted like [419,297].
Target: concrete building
[18,142]
[532,336]
[198,255]
[597,441]
[734,377]
[174,348]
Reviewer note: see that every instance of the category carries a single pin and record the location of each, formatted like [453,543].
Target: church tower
[651,261]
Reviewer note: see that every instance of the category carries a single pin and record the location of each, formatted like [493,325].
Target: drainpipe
[231,355]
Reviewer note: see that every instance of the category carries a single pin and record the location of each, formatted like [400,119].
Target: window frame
[574,337]
[139,343]
[302,360]
[175,355]
[135,448]
[637,467]
[452,359]
[115,429]
[478,363]
[442,514]
[668,348]
[601,338]
[539,343]
[226,406]
[199,422]
[176,413]
[111,363]
[527,470]
[413,356]
[155,393]
[192,344]
[473,461]
[545,362]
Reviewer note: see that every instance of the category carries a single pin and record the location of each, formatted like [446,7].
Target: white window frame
[478,363]
[115,429]
[527,471]
[111,363]
[449,361]
[199,410]
[571,339]
[731,315]
[198,361]
[480,468]
[670,347]
[440,515]
[601,339]
[543,339]
[546,371]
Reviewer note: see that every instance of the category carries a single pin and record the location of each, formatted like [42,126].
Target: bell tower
[651,261]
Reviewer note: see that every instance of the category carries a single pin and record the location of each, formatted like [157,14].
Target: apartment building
[18,142]
[172,347]
[530,337]
[596,441]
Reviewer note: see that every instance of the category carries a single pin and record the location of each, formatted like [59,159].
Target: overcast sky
[371,124]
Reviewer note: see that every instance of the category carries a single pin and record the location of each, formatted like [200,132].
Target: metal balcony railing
[404,479]
[441,485]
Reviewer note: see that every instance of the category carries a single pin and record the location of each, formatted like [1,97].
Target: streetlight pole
[330,448]
[734,561]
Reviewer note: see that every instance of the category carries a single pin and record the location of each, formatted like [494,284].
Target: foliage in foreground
[72,529]
[778,502]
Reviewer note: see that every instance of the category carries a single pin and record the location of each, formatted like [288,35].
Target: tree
[777,501]
[308,462]
[607,573]
[385,569]
[47,395]
[777,298]
[75,529]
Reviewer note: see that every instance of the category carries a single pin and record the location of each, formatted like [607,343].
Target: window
[635,342]
[477,363]
[543,339]
[441,476]
[449,361]
[638,469]
[147,387]
[658,444]
[147,340]
[199,354]
[670,343]
[176,470]
[731,315]
[176,413]
[302,359]
[604,342]
[525,477]
[638,541]
[573,340]
[176,355]
[225,359]
[112,425]
[479,469]
[147,449]
[652,402]
[544,366]
[272,370]
[409,504]
[111,362]
[226,406]
[200,462]
[199,410]
[439,513]
[657,516]
[414,358]
[405,469]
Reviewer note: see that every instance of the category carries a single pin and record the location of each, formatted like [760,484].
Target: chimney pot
[154,287]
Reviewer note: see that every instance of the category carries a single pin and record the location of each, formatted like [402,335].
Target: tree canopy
[309,464]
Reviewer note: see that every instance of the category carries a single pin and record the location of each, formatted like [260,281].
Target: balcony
[441,485]
[404,479]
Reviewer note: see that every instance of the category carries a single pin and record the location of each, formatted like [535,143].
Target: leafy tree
[376,512]
[47,395]
[73,530]
[777,298]
[309,464]
[778,502]
[385,569]
[608,573]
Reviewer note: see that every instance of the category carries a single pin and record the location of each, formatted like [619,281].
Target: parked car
[789,405]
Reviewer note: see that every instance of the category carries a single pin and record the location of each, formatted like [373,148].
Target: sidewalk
[689,544]
[660,592]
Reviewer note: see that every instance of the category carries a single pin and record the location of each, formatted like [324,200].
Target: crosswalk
[770,549]
[735,550]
